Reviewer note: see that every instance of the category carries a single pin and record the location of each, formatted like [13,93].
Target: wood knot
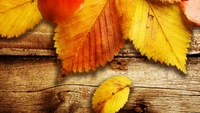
[68,102]
[119,65]
[141,106]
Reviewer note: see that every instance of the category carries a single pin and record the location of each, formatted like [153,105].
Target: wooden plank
[30,85]
[195,44]
[39,41]
[26,52]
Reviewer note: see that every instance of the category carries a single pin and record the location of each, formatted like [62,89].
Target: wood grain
[30,85]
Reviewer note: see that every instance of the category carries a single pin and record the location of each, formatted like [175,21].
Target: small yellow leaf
[111,95]
[18,16]
[157,30]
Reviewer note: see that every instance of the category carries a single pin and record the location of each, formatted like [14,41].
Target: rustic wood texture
[29,70]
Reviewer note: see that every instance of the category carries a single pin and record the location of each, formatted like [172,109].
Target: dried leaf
[191,9]
[111,95]
[18,16]
[90,39]
[157,30]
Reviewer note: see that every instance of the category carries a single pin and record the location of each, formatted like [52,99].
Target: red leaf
[191,9]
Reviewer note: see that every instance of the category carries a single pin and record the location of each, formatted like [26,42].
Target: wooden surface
[29,70]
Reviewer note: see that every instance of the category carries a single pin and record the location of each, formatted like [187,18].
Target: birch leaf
[191,9]
[111,95]
[90,39]
[157,30]
[18,16]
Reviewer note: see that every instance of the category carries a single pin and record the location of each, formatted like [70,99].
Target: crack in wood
[198,91]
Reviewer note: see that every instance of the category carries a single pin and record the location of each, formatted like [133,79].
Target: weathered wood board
[29,70]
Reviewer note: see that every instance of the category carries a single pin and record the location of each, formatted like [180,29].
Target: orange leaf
[83,47]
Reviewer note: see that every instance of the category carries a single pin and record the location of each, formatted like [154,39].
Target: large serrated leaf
[90,39]
[157,30]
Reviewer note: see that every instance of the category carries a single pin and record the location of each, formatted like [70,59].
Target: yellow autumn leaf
[111,95]
[157,30]
[18,16]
